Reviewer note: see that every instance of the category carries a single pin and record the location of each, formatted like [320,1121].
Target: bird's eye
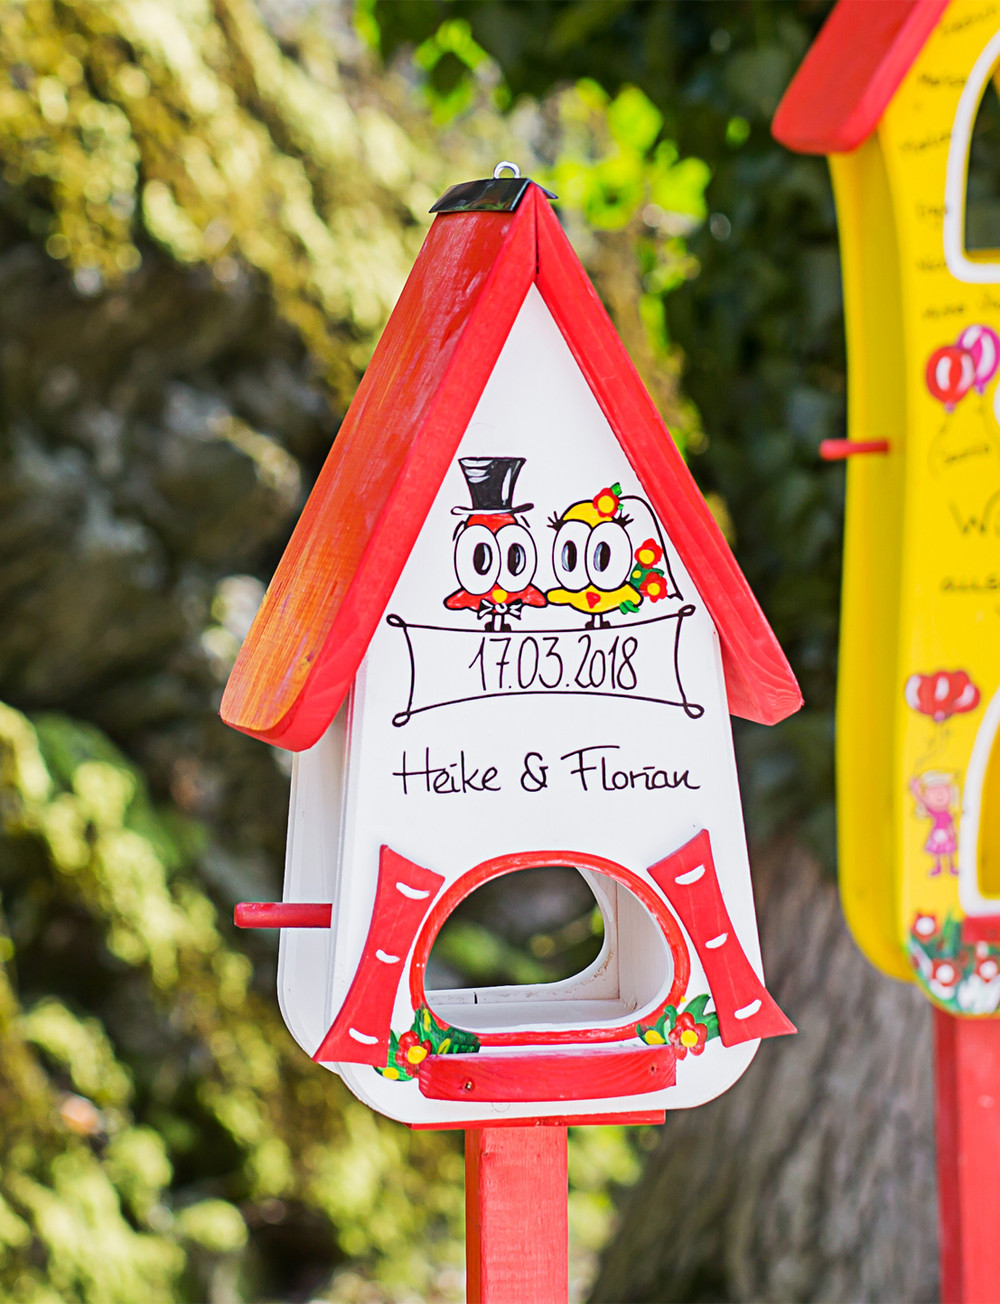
[609,556]
[569,552]
[477,559]
[518,557]
[482,558]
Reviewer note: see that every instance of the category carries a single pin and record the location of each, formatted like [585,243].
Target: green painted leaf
[462,1042]
[696,1007]
[711,1022]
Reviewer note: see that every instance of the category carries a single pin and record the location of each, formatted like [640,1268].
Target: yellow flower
[689,1037]
[652,1038]
[415,1054]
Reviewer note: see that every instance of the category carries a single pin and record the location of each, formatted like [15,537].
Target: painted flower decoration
[944,973]
[425,1037]
[686,1030]
[987,967]
[412,1050]
[654,586]
[687,1035]
[924,926]
[646,577]
[648,553]
[607,501]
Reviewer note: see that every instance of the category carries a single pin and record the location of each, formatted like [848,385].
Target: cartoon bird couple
[598,564]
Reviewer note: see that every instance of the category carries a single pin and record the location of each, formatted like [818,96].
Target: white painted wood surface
[536,406]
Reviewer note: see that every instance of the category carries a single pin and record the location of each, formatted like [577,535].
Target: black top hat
[491,485]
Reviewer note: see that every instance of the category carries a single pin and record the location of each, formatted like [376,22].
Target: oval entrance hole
[538,950]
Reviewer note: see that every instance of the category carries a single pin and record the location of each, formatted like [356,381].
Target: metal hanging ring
[505,163]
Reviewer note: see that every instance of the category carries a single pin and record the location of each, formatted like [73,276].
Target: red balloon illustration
[983,346]
[950,373]
[941,695]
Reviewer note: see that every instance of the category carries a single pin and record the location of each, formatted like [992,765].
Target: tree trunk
[813,1178]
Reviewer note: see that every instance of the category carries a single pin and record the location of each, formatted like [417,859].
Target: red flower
[606,502]
[944,973]
[987,967]
[686,1035]
[654,587]
[648,553]
[411,1051]
[924,926]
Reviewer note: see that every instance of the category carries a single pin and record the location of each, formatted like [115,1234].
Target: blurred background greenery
[207,209]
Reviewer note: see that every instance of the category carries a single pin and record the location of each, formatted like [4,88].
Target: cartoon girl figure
[601,564]
[937,797]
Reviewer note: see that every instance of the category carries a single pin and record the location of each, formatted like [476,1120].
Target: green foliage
[94,1204]
[190,129]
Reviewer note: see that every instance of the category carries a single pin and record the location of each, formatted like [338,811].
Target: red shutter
[745,1008]
[360,1032]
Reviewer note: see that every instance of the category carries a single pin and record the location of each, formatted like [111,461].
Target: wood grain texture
[851,72]
[759,681]
[516,1223]
[967,1081]
[379,480]
[360,1032]
[559,1075]
[745,1007]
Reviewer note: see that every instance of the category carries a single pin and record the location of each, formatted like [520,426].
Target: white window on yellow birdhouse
[972,185]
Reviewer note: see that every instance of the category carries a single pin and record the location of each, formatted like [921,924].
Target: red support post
[516,1230]
[967,1073]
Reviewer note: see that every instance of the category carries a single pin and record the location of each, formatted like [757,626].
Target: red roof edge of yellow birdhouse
[397,441]
[851,72]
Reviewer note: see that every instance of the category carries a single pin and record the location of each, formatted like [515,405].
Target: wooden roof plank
[380,477]
[394,448]
[759,681]
[851,72]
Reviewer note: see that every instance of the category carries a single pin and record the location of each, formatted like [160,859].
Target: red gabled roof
[851,72]
[397,441]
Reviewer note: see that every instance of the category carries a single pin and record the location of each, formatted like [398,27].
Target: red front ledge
[576,1075]
[282,914]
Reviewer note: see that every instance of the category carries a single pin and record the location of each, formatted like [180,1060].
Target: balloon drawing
[942,694]
[950,374]
[983,346]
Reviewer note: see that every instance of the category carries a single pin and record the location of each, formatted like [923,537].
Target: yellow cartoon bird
[599,567]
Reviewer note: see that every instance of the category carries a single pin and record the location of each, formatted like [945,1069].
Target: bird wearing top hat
[608,560]
[495,555]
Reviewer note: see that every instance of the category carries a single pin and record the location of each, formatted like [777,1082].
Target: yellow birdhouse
[900,94]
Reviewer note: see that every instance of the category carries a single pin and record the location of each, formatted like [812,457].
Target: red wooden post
[967,1063]
[516,1231]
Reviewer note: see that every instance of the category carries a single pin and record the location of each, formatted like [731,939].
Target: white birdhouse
[507,634]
